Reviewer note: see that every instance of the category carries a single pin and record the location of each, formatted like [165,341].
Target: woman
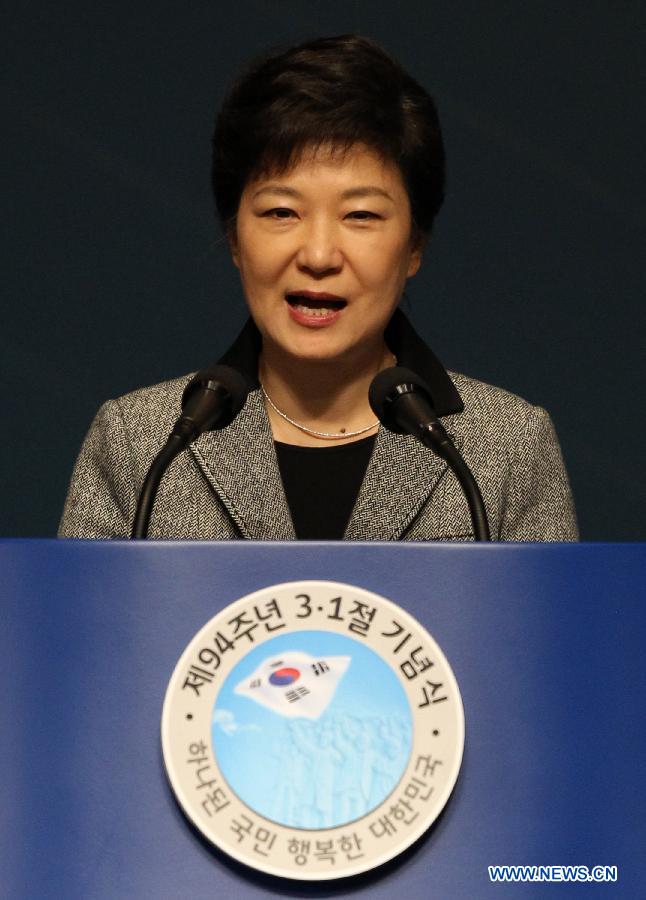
[328,170]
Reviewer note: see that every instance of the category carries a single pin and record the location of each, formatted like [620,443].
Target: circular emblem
[312,730]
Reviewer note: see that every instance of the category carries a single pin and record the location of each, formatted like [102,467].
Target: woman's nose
[319,251]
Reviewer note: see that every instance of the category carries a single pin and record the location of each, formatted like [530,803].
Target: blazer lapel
[402,474]
[240,464]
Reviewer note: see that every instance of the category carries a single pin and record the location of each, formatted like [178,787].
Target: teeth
[313,310]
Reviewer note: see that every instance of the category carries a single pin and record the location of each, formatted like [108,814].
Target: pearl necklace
[328,435]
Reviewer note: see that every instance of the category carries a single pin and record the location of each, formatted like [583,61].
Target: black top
[321,485]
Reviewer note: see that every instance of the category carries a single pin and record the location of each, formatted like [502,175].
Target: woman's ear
[232,241]
[418,245]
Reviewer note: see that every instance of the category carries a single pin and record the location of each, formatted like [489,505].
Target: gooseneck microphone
[402,401]
[211,399]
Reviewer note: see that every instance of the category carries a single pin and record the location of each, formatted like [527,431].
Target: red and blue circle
[282,677]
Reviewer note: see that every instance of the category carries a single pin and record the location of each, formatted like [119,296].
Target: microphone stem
[174,445]
[435,438]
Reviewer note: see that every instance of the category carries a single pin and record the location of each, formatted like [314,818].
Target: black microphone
[212,399]
[402,401]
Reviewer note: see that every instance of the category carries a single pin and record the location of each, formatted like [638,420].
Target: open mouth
[315,304]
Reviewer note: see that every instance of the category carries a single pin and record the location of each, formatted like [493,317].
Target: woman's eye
[362,215]
[279,212]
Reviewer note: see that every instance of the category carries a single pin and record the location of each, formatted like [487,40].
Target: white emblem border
[186,723]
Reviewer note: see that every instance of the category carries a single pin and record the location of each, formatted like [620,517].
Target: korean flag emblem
[295,683]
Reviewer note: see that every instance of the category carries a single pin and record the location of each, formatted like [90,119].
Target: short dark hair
[337,90]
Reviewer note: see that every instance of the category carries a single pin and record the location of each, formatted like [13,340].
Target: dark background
[116,275]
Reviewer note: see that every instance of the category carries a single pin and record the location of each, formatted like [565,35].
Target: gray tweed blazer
[228,486]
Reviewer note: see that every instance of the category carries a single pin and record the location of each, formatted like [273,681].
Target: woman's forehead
[349,166]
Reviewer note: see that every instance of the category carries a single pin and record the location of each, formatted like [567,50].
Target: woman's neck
[325,396]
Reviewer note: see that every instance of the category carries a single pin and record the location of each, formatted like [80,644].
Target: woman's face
[324,251]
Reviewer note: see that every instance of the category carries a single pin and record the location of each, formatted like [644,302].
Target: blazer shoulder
[477,393]
[147,415]
[492,408]
[155,399]
[512,446]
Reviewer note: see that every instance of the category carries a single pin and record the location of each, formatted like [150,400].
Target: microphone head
[387,387]
[214,397]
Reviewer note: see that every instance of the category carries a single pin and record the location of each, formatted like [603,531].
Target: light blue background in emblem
[320,773]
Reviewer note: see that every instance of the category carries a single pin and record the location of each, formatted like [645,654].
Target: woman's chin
[312,349]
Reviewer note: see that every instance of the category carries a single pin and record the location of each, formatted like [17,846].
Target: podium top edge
[494,546]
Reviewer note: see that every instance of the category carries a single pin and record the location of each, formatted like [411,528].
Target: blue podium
[546,641]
